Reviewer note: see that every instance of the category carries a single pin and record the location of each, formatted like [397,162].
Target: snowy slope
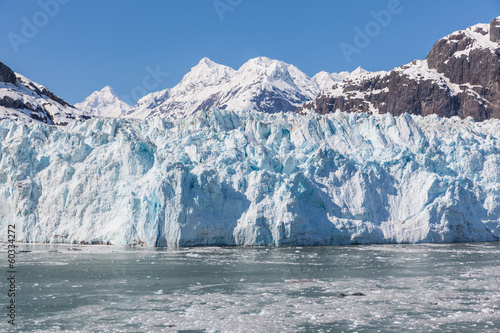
[261,84]
[325,80]
[247,178]
[104,103]
[23,99]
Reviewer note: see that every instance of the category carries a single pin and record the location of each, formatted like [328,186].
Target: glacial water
[379,288]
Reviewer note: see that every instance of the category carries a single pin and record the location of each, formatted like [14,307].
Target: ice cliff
[244,178]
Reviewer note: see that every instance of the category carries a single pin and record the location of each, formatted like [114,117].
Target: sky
[74,47]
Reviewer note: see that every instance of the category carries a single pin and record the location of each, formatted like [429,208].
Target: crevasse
[245,178]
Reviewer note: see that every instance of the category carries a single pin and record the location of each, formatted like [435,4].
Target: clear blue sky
[85,45]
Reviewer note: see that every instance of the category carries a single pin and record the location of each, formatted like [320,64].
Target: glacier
[218,178]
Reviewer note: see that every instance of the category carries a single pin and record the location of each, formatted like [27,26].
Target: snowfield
[247,178]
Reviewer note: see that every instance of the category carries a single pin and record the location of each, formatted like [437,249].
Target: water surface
[419,288]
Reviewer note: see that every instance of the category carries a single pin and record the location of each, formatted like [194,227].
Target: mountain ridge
[459,77]
[24,99]
[260,84]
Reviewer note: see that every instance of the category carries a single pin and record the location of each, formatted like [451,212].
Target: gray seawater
[406,288]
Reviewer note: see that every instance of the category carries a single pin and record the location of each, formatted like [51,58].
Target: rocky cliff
[459,77]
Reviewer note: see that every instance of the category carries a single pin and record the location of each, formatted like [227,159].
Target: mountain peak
[263,66]
[206,72]
[261,84]
[104,103]
[495,30]
[322,74]
[108,90]
[264,62]
[477,36]
[359,71]
[324,80]
[207,62]
[24,99]
[445,83]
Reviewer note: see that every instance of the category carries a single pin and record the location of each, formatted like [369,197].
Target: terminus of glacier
[226,178]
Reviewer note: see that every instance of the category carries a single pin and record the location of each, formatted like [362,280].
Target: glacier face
[246,178]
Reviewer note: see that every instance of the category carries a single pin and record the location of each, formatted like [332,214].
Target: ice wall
[226,178]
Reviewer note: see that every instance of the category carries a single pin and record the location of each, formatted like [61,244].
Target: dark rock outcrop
[6,74]
[495,30]
[460,77]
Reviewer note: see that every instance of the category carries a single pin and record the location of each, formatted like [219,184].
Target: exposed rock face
[495,30]
[460,77]
[6,74]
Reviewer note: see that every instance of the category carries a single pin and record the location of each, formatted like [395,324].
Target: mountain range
[459,77]
[261,84]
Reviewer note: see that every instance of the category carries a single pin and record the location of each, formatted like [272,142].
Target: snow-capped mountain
[23,99]
[250,178]
[261,84]
[104,103]
[460,76]
[325,80]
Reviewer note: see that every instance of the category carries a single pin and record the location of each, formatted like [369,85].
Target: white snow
[247,178]
[325,80]
[479,40]
[25,91]
[358,71]
[104,103]
[209,84]
[252,87]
